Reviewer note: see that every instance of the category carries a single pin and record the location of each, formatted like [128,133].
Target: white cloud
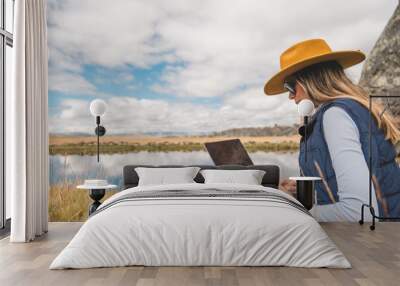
[65,73]
[131,115]
[212,48]
[241,45]
[106,32]
[70,83]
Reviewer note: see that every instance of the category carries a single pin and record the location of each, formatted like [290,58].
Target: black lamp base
[100,130]
[96,195]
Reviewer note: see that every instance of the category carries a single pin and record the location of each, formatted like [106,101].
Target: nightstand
[96,193]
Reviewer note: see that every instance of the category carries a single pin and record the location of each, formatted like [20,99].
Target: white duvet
[199,231]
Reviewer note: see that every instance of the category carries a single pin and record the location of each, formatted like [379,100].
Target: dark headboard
[270,179]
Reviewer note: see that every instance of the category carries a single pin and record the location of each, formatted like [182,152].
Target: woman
[337,136]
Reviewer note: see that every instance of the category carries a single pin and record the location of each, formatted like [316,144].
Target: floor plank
[374,255]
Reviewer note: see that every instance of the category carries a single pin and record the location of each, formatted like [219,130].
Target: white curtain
[27,150]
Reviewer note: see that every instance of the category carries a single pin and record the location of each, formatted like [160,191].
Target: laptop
[228,152]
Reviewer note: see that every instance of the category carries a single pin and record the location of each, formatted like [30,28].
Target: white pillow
[248,177]
[164,176]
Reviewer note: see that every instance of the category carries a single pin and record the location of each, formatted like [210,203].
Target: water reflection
[76,168]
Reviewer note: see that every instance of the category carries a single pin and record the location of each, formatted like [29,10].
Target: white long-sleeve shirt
[351,169]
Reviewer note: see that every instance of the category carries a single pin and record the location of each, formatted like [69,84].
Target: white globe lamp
[305,107]
[98,108]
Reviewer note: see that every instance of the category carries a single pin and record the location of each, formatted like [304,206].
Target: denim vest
[385,170]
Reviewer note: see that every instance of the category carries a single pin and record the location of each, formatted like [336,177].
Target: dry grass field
[67,203]
[86,145]
[130,139]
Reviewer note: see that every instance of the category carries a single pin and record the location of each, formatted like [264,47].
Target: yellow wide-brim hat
[304,54]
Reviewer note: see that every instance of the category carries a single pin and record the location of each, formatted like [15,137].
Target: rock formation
[381,70]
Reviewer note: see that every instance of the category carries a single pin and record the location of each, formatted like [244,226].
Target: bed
[198,224]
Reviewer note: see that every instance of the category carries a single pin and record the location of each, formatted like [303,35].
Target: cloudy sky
[188,66]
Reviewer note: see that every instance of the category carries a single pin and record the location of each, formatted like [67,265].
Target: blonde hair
[327,81]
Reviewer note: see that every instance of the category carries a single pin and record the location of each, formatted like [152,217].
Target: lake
[76,168]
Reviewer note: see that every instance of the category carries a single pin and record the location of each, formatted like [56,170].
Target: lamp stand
[305,137]
[99,131]
[98,137]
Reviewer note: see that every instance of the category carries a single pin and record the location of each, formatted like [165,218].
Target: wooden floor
[375,257]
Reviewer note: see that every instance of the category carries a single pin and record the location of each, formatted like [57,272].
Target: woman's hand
[288,186]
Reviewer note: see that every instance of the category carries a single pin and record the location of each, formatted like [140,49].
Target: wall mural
[175,75]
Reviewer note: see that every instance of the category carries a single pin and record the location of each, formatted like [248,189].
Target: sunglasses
[291,87]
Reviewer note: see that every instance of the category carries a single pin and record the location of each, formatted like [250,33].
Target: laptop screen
[228,152]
